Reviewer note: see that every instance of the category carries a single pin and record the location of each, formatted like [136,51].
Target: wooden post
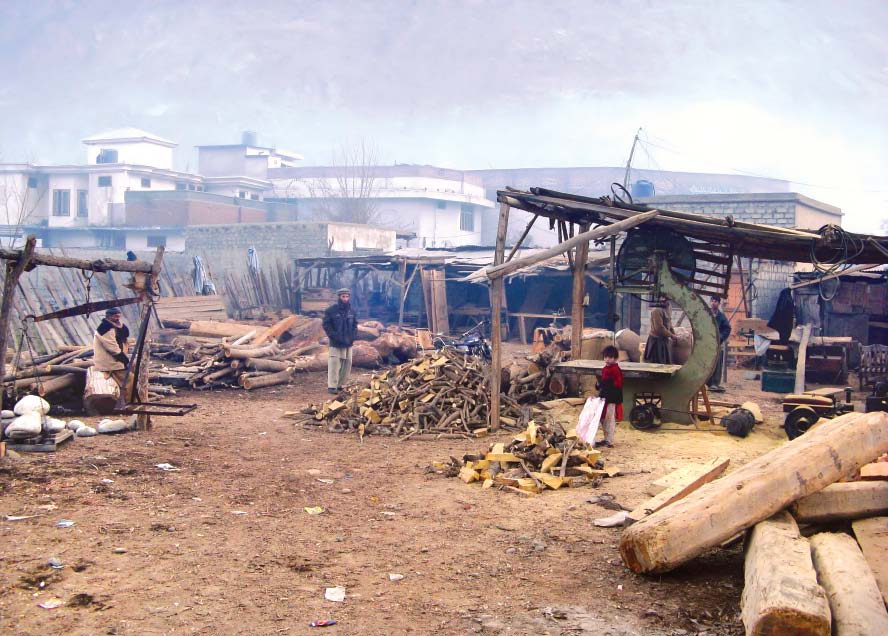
[518,243]
[402,268]
[579,288]
[496,306]
[13,273]
[143,421]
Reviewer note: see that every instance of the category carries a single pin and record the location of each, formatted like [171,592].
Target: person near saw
[341,326]
[659,346]
[110,345]
[723,326]
[610,388]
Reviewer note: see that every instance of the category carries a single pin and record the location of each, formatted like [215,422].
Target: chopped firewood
[444,394]
[537,459]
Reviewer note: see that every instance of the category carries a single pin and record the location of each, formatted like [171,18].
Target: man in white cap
[341,327]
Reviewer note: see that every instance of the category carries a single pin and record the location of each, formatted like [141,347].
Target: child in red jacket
[610,387]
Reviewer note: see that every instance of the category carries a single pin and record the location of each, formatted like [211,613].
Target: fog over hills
[794,89]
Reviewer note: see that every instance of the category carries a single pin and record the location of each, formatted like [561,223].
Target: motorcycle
[471,343]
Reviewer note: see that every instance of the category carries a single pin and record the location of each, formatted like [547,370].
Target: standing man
[659,348]
[110,346]
[724,331]
[341,327]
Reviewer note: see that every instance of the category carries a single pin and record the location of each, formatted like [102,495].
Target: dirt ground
[222,545]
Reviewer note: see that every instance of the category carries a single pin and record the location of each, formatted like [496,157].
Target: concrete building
[440,207]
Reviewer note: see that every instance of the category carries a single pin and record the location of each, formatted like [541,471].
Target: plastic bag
[590,417]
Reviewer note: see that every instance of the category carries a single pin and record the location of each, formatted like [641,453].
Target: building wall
[434,226]
[72,183]
[18,202]
[138,153]
[199,208]
[138,239]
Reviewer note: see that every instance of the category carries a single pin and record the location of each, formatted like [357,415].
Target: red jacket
[612,384]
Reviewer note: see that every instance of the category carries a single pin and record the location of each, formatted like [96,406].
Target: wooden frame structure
[714,240]
[19,261]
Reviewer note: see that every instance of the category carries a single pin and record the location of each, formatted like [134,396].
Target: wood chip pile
[444,394]
[539,458]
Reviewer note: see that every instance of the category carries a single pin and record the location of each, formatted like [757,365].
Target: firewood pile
[57,372]
[539,380]
[229,355]
[441,395]
[542,457]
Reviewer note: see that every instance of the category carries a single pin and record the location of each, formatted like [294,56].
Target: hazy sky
[796,90]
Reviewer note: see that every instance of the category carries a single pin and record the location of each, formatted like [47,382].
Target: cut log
[59,383]
[872,536]
[274,332]
[365,356]
[781,596]
[557,384]
[690,481]
[218,329]
[262,364]
[877,471]
[854,598]
[366,332]
[250,352]
[272,379]
[718,511]
[843,500]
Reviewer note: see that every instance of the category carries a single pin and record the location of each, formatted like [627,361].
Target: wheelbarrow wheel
[644,417]
[799,420]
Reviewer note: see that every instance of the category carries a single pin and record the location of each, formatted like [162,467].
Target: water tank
[643,188]
[249,138]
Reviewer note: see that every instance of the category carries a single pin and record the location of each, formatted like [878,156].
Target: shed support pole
[496,305]
[13,273]
[402,296]
[579,288]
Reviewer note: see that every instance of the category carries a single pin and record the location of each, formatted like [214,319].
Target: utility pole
[629,162]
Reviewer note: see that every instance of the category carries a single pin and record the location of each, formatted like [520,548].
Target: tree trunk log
[272,379]
[854,599]
[365,356]
[261,364]
[843,500]
[251,352]
[557,384]
[720,510]
[274,332]
[781,595]
[218,329]
[58,383]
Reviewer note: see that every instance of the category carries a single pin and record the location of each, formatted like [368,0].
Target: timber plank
[684,484]
[843,500]
[872,536]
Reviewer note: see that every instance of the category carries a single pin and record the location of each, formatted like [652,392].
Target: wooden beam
[498,270]
[13,273]
[518,243]
[98,265]
[851,270]
[781,594]
[801,359]
[496,305]
[577,293]
[854,598]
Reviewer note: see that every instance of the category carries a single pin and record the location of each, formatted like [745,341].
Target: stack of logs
[443,395]
[539,380]
[794,584]
[251,357]
[57,372]
[539,458]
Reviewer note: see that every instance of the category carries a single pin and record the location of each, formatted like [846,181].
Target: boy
[610,387]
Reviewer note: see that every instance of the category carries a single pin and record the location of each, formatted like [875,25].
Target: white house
[440,207]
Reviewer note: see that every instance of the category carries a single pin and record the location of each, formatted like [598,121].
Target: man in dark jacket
[723,326]
[341,327]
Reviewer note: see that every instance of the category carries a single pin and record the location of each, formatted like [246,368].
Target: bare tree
[348,192]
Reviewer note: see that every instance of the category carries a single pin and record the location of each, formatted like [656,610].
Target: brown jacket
[661,323]
[109,345]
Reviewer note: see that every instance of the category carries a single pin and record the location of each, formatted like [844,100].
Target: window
[191,186]
[242,195]
[107,156]
[255,197]
[442,205]
[467,218]
[32,182]
[112,240]
[156,241]
[82,207]
[180,186]
[146,182]
[104,182]
[61,203]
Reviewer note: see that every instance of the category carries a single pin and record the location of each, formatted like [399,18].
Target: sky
[796,90]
